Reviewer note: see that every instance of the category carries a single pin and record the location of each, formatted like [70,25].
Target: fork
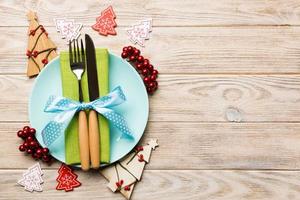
[77,64]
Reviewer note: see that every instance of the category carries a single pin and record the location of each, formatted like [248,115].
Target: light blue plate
[135,109]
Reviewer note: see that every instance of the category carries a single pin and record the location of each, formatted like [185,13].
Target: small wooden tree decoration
[32,179]
[67,179]
[40,48]
[123,175]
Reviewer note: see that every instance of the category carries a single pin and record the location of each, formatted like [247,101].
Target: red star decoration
[67,179]
[106,24]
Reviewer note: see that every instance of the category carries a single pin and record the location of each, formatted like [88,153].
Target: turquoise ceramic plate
[135,109]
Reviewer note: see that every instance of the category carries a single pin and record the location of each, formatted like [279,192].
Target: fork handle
[84,141]
[94,139]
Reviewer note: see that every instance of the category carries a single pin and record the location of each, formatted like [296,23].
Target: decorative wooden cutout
[67,179]
[123,175]
[40,48]
[106,23]
[32,179]
[140,32]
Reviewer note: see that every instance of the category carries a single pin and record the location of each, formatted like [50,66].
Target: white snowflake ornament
[140,32]
[32,179]
[68,29]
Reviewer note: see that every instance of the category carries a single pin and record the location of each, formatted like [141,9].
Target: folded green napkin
[70,90]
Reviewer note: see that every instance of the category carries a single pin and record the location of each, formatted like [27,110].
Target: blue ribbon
[66,108]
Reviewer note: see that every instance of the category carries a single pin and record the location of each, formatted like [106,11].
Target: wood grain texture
[164,12]
[168,184]
[190,50]
[220,62]
[197,146]
[202,98]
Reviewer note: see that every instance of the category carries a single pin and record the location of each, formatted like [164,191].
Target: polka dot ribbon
[65,110]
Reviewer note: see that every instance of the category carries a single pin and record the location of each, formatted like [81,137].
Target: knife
[94,136]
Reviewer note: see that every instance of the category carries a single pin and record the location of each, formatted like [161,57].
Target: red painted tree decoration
[106,24]
[67,179]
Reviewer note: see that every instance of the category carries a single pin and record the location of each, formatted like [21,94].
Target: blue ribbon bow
[66,109]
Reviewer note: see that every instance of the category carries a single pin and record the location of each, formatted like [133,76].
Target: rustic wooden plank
[202,98]
[197,146]
[165,185]
[181,50]
[164,12]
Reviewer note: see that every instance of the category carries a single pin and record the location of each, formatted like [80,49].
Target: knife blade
[94,136]
[91,68]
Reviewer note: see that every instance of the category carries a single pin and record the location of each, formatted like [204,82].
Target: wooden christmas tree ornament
[40,48]
[123,175]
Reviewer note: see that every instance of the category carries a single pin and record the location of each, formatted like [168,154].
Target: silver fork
[77,64]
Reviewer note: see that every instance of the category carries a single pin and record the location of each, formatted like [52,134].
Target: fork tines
[75,55]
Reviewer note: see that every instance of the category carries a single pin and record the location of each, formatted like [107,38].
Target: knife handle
[84,141]
[94,137]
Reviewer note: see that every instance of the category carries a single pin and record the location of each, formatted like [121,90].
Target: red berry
[153,77]
[25,133]
[45,61]
[149,90]
[127,188]
[155,72]
[131,58]
[151,85]
[124,55]
[28,53]
[32,131]
[119,183]
[145,72]
[35,53]
[29,151]
[43,29]
[20,133]
[22,147]
[139,67]
[139,148]
[45,151]
[35,156]
[125,49]
[26,128]
[32,32]
[29,139]
[46,158]
[33,144]
[141,158]
[140,59]
[130,49]
[26,145]
[146,63]
[136,52]
[39,151]
[150,67]
[146,80]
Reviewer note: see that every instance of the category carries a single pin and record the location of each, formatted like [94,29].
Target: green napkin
[70,90]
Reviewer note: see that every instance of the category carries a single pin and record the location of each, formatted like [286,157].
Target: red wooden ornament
[67,179]
[106,24]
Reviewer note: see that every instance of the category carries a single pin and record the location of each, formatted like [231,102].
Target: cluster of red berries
[143,66]
[31,145]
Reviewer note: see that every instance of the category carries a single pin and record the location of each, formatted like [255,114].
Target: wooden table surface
[227,112]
